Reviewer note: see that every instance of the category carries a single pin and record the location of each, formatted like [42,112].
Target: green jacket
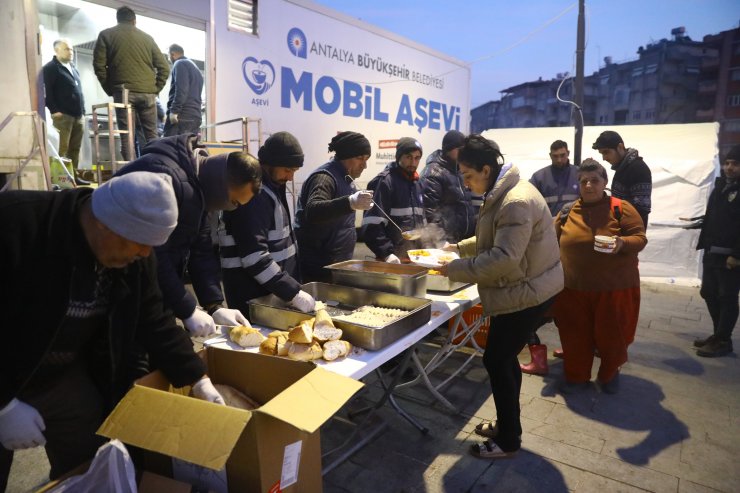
[127,55]
[514,256]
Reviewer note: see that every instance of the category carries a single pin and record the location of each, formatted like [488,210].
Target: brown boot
[538,365]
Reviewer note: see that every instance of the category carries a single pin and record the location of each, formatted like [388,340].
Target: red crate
[470,316]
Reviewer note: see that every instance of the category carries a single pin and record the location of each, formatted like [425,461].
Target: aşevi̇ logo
[297,43]
[258,74]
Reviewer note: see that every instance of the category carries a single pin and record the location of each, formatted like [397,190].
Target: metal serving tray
[443,284]
[271,311]
[404,279]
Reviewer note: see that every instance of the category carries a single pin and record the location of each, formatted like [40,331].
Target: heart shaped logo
[258,74]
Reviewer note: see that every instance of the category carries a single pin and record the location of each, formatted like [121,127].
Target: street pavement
[674,426]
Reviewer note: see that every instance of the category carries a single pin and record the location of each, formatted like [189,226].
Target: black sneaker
[612,386]
[566,387]
[703,342]
[715,348]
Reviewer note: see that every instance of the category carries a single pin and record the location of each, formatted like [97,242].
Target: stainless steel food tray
[443,284]
[407,280]
[271,311]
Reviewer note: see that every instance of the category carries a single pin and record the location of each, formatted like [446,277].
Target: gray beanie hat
[139,206]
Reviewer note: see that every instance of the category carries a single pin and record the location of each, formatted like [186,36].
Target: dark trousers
[506,338]
[144,111]
[183,126]
[72,409]
[720,287]
[70,136]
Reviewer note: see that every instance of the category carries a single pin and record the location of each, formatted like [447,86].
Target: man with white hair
[78,283]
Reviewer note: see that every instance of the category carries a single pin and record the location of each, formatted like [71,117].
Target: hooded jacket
[514,256]
[633,182]
[447,202]
[42,245]
[189,246]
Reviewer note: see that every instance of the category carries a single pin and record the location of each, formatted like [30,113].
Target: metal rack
[38,148]
[111,130]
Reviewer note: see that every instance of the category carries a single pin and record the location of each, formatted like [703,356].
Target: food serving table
[360,363]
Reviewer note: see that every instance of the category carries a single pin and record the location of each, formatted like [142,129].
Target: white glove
[21,426]
[174,119]
[361,200]
[304,302]
[229,316]
[203,389]
[200,323]
[392,259]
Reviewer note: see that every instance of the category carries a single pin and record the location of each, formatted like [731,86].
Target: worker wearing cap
[397,191]
[258,245]
[632,180]
[78,281]
[325,217]
[447,202]
[203,184]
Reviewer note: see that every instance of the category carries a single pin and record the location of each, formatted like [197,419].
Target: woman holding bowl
[514,259]
[600,238]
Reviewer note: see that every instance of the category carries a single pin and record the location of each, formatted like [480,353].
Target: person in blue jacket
[184,102]
[396,190]
[325,217]
[558,183]
[258,245]
[202,184]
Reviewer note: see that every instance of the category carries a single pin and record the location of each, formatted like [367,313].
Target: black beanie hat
[349,144]
[406,145]
[734,153]
[281,149]
[452,140]
[608,140]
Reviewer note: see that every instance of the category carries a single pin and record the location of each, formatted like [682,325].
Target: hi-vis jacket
[400,198]
[558,186]
[258,249]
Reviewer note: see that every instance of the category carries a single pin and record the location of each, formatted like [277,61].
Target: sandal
[489,450]
[487,429]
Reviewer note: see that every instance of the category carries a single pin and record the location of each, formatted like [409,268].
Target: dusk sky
[522,41]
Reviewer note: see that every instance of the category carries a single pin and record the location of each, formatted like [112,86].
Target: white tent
[684,162]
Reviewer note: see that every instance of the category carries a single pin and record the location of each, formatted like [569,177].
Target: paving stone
[686,486]
[710,464]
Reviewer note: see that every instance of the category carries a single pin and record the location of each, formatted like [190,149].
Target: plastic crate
[470,316]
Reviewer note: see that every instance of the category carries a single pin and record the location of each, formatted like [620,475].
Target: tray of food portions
[437,282]
[405,279]
[368,319]
[431,257]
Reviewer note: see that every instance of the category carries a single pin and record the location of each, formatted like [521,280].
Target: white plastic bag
[112,470]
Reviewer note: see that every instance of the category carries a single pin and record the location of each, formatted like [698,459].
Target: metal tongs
[350,179]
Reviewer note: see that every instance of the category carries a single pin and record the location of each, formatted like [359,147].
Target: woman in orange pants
[599,307]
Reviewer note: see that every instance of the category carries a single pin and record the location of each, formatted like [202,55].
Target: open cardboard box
[273,448]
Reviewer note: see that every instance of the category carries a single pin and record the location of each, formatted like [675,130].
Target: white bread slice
[336,349]
[246,336]
[325,333]
[302,333]
[234,398]
[305,352]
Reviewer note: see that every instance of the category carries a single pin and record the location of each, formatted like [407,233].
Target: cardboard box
[273,448]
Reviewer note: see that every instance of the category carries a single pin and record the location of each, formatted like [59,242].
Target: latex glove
[21,426]
[361,200]
[304,302]
[200,323]
[204,389]
[392,259]
[450,247]
[174,119]
[732,262]
[229,316]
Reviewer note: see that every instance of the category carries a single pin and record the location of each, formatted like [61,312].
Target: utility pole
[578,110]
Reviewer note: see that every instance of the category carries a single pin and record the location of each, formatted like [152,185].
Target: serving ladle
[403,233]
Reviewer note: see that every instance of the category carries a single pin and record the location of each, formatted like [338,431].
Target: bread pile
[312,339]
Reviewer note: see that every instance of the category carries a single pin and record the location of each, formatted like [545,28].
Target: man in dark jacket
[183,105]
[447,202]
[202,184]
[77,274]
[127,56]
[558,183]
[258,246]
[65,102]
[720,240]
[396,190]
[632,180]
[325,218]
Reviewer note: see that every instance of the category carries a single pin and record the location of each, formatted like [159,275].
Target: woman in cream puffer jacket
[515,260]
